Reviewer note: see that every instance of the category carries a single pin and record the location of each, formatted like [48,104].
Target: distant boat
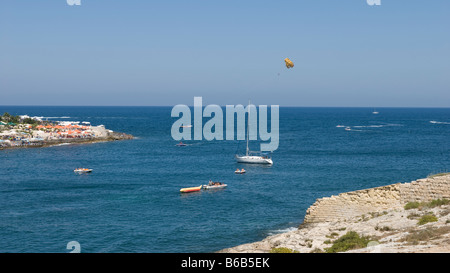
[239,171]
[348,129]
[252,156]
[181,144]
[82,170]
[191,189]
[214,185]
[375,112]
[338,126]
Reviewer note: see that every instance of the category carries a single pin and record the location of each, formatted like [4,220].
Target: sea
[131,202]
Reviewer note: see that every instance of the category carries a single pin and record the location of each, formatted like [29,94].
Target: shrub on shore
[432,204]
[427,218]
[351,240]
[282,250]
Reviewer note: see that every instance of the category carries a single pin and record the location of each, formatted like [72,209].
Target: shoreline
[115,136]
[381,214]
[33,132]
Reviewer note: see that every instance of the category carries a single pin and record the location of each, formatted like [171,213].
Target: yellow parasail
[289,63]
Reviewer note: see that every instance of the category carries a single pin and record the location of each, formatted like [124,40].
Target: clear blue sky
[135,52]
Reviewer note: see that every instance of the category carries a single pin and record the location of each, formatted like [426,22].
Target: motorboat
[191,189]
[82,170]
[181,144]
[239,171]
[214,185]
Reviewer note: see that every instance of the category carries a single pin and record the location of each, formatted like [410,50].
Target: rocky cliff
[378,213]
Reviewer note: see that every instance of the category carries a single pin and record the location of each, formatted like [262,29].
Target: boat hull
[253,159]
[83,171]
[207,187]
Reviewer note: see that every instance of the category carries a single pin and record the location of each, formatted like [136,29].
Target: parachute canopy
[289,63]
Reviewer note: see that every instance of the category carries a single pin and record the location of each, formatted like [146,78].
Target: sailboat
[375,112]
[252,156]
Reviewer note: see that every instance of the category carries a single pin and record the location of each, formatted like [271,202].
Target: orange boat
[192,189]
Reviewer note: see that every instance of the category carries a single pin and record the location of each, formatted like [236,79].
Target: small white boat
[214,185]
[239,171]
[253,159]
[82,170]
[348,129]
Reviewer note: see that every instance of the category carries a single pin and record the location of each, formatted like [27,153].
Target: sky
[150,53]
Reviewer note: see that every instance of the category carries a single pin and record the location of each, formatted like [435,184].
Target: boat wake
[439,122]
[356,127]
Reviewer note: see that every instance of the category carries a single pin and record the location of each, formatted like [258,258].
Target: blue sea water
[131,202]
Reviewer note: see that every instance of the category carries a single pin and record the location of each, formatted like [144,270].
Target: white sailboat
[252,156]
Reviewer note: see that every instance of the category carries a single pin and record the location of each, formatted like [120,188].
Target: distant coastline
[33,132]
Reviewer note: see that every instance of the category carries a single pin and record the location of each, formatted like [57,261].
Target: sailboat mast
[248,125]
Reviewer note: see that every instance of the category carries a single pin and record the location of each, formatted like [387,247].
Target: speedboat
[239,171]
[348,129]
[181,144]
[82,170]
[191,189]
[214,185]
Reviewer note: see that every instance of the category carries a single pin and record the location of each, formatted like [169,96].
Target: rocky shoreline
[390,217]
[114,136]
[33,132]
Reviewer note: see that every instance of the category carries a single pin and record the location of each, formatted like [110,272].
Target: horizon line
[286,106]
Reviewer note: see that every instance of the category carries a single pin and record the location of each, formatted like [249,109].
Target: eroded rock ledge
[376,212]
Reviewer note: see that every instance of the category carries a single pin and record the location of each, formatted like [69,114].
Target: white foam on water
[439,122]
[279,231]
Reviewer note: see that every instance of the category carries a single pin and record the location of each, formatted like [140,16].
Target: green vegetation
[384,228]
[7,118]
[438,203]
[412,205]
[13,120]
[332,235]
[351,240]
[282,250]
[432,204]
[427,218]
